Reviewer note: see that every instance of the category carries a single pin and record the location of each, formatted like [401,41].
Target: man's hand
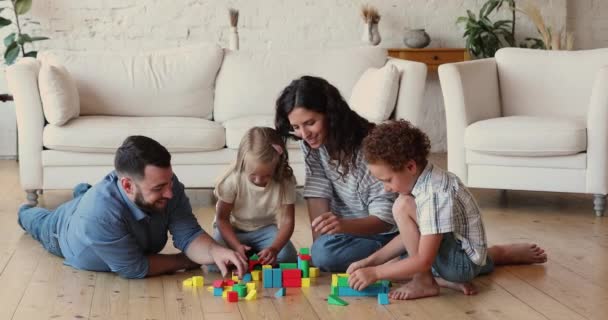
[268,255]
[223,257]
[362,278]
[327,223]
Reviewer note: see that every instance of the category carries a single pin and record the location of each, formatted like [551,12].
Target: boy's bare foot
[520,253]
[468,288]
[421,286]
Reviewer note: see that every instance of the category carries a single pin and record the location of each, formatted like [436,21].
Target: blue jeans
[454,265]
[261,239]
[334,253]
[41,223]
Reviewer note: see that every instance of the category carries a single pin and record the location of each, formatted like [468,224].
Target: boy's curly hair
[397,142]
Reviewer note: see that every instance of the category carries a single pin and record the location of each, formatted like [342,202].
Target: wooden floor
[572,285]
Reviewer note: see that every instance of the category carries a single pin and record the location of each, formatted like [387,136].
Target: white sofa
[530,120]
[197,101]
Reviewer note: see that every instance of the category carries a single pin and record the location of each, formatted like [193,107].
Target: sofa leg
[599,204]
[32,197]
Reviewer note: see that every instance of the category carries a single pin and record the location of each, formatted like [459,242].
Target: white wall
[588,19]
[265,24]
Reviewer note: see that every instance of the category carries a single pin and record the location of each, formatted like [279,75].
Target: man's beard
[147,206]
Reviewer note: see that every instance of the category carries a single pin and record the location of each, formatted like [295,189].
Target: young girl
[255,193]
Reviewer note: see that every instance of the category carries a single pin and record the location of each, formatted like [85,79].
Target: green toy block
[254,257]
[304,265]
[240,289]
[342,282]
[334,290]
[304,251]
[286,266]
[334,300]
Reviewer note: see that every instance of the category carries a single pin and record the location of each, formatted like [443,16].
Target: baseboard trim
[6,157]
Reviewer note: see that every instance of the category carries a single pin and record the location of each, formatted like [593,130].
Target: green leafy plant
[484,37]
[16,42]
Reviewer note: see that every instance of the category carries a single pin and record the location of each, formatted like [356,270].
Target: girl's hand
[358,265]
[268,255]
[327,223]
[362,278]
[242,249]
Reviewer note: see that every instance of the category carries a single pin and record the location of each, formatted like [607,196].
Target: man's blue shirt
[103,230]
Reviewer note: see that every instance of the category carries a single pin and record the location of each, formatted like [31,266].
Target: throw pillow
[375,94]
[59,95]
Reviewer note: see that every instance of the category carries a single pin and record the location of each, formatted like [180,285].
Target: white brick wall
[265,24]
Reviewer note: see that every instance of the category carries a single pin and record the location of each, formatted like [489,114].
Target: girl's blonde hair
[263,145]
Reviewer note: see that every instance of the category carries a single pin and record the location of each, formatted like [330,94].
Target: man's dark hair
[136,152]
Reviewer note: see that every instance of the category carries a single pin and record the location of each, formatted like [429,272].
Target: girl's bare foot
[520,253]
[468,288]
[421,286]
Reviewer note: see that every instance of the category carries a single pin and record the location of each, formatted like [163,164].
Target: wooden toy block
[247,278]
[241,290]
[225,294]
[305,282]
[210,288]
[266,266]
[252,295]
[255,275]
[342,281]
[233,296]
[277,280]
[336,301]
[383,298]
[253,264]
[343,275]
[235,278]
[299,263]
[251,286]
[334,290]
[305,266]
[228,283]
[292,273]
[292,282]
[228,288]
[218,283]
[187,282]
[287,266]
[198,281]
[280,293]
[217,292]
[267,280]
[313,272]
[334,280]
[254,257]
[367,292]
[305,257]
[304,251]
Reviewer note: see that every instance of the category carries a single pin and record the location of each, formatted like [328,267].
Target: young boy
[439,222]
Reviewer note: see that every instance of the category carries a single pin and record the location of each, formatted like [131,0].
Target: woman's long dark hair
[345,128]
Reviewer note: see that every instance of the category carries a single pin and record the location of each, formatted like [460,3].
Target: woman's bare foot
[520,253]
[468,288]
[421,286]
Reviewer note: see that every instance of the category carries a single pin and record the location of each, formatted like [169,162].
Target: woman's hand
[327,223]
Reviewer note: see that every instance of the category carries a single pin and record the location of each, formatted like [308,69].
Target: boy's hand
[242,249]
[362,278]
[327,223]
[268,256]
[357,265]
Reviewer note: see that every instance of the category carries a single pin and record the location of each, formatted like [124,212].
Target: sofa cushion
[375,94]
[527,136]
[58,93]
[236,129]
[250,82]
[105,133]
[176,82]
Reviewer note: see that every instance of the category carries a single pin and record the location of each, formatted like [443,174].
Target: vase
[233,39]
[371,34]
[416,38]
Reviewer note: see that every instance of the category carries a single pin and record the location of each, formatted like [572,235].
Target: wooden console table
[432,57]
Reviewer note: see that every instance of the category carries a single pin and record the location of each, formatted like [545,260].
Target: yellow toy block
[343,275]
[198,281]
[305,282]
[252,295]
[227,288]
[210,288]
[225,294]
[251,286]
[266,266]
[255,275]
[313,272]
[187,282]
[334,280]
[235,279]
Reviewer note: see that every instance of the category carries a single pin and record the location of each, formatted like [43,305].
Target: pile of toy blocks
[340,288]
[233,290]
[290,275]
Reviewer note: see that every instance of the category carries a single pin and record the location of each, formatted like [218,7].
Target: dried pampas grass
[234,17]
[552,39]
[370,14]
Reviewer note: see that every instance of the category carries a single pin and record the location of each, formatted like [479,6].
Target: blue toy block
[277,278]
[267,278]
[367,292]
[383,298]
[217,292]
[299,263]
[280,293]
[247,278]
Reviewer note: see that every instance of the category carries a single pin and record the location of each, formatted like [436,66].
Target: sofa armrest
[22,79]
[470,93]
[411,89]
[597,135]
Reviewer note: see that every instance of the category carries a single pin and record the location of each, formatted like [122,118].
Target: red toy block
[218,283]
[306,257]
[292,274]
[253,263]
[228,283]
[233,296]
[292,283]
